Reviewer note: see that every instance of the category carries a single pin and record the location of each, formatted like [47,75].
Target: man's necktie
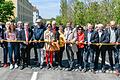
[27,35]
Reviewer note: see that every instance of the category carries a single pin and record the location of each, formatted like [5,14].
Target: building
[35,15]
[23,10]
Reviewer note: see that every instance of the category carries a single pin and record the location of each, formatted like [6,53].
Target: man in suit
[91,36]
[38,34]
[2,26]
[70,36]
[118,49]
[103,38]
[25,35]
[19,28]
[112,30]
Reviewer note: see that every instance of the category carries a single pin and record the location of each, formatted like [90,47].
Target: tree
[6,10]
[78,13]
[58,20]
[63,11]
[90,11]
[70,10]
[116,10]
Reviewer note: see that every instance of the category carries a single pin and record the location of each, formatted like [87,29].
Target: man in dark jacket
[2,30]
[38,34]
[103,38]
[118,47]
[91,36]
[112,30]
[25,35]
[19,28]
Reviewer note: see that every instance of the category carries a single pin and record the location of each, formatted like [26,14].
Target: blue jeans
[116,55]
[70,55]
[12,47]
[40,55]
[89,52]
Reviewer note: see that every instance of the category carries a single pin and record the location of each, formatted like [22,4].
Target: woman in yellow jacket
[62,44]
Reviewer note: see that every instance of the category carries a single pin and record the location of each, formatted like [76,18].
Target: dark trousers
[70,55]
[117,57]
[61,55]
[35,52]
[5,51]
[80,56]
[25,56]
[18,55]
[12,47]
[89,52]
[101,50]
[116,54]
[57,58]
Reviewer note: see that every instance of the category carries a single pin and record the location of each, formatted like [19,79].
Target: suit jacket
[38,34]
[94,39]
[2,37]
[22,36]
[104,37]
[118,35]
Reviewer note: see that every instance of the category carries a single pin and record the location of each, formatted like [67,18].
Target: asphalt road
[37,74]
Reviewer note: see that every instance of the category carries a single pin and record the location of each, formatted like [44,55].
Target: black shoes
[59,67]
[93,71]
[84,70]
[103,70]
[22,67]
[70,69]
[41,67]
[80,68]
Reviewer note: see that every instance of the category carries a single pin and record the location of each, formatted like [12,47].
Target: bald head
[112,24]
[100,26]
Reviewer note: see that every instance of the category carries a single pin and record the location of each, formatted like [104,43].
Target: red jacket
[80,38]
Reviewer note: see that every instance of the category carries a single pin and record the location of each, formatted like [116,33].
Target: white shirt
[100,33]
[89,36]
[25,34]
[112,36]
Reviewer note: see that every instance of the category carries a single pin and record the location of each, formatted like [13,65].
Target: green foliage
[58,20]
[6,10]
[90,11]
[63,11]
[78,13]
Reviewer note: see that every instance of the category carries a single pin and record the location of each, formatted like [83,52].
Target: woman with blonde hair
[62,44]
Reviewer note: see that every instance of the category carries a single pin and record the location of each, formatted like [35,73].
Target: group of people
[50,42]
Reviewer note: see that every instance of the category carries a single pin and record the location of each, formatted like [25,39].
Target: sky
[47,8]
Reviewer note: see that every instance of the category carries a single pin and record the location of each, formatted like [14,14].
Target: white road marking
[34,76]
